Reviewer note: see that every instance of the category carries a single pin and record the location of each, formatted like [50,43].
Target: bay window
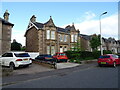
[76,38]
[52,34]
[48,34]
[72,38]
[48,49]
[65,38]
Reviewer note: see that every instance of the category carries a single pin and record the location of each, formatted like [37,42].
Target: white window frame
[61,38]
[48,49]
[52,34]
[72,38]
[48,34]
[75,37]
[52,50]
[65,38]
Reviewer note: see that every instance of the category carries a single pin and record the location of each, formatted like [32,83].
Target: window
[65,48]
[65,38]
[75,38]
[72,38]
[52,50]
[7,55]
[48,49]
[52,34]
[61,49]
[48,34]
[22,55]
[61,38]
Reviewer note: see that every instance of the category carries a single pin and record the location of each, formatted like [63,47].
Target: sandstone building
[5,33]
[47,38]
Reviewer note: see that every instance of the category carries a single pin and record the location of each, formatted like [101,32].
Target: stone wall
[32,40]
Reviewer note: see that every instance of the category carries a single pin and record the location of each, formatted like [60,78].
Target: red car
[60,57]
[109,59]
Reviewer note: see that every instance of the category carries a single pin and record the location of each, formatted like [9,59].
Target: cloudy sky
[84,15]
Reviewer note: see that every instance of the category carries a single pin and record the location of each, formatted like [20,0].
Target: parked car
[45,58]
[119,56]
[60,57]
[14,60]
[109,59]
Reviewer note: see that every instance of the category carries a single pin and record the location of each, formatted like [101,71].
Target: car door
[7,58]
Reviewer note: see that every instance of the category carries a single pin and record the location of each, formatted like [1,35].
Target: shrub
[84,55]
[107,52]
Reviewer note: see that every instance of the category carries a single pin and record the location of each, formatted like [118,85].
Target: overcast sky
[85,16]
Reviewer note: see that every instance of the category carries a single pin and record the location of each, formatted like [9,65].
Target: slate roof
[86,37]
[39,25]
[6,22]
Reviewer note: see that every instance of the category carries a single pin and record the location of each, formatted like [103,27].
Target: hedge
[84,55]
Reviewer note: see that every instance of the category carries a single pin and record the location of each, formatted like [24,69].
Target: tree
[95,42]
[15,46]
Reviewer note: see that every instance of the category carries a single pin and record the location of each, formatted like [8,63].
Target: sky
[84,15]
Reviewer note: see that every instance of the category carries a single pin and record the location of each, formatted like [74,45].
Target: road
[89,77]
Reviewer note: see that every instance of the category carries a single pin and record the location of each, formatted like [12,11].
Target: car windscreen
[62,54]
[48,56]
[22,55]
[104,57]
[118,56]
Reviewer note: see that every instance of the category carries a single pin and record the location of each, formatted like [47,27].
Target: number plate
[25,59]
[103,62]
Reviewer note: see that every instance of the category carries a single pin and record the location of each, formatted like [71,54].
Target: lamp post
[100,33]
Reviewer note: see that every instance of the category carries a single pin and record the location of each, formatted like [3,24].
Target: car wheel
[12,66]
[55,65]
[99,65]
[114,64]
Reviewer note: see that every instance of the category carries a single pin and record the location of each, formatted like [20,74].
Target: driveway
[34,68]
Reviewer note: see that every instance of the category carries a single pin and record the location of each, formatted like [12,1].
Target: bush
[84,55]
[107,52]
[96,54]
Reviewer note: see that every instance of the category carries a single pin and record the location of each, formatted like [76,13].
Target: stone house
[47,38]
[85,42]
[5,33]
[107,44]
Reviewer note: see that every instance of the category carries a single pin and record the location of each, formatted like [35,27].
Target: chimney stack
[6,15]
[33,19]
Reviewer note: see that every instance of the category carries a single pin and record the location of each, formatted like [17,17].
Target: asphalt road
[89,77]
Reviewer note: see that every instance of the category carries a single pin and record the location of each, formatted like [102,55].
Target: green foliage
[15,46]
[23,48]
[96,54]
[107,52]
[95,42]
[84,55]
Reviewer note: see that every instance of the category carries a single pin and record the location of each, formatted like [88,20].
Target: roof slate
[39,25]
[6,22]
[87,37]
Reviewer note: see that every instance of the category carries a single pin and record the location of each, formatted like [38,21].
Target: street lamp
[100,33]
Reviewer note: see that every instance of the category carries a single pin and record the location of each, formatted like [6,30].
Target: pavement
[66,65]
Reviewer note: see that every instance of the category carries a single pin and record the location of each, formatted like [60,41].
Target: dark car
[45,58]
